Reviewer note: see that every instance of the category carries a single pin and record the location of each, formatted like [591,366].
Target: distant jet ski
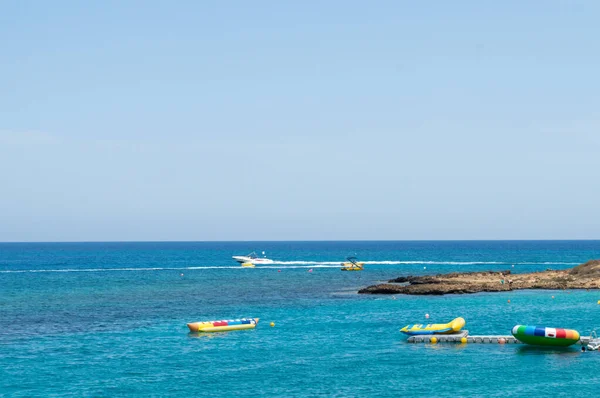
[252,258]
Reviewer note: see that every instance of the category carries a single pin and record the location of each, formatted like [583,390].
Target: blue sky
[265,120]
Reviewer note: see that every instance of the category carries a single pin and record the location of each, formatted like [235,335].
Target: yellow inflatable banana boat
[223,326]
[453,326]
[352,265]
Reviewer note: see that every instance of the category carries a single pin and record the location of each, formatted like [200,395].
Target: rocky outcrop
[589,269]
[584,276]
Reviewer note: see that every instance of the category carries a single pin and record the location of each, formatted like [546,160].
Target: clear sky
[285,120]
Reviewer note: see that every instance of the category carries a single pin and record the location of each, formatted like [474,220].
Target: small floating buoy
[501,340]
[598,301]
[272,324]
[463,340]
[426,316]
[433,340]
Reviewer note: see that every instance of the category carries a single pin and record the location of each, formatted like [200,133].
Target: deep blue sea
[109,319]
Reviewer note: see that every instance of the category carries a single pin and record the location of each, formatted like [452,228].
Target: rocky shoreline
[584,276]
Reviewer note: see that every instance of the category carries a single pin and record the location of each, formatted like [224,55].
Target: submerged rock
[584,276]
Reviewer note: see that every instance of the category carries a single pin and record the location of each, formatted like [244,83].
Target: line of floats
[433,333]
[527,334]
[447,332]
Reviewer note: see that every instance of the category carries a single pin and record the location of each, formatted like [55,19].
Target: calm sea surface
[109,319]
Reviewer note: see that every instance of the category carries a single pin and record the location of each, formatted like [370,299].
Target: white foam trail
[22,271]
[110,269]
[306,262]
[316,265]
[390,262]
[282,265]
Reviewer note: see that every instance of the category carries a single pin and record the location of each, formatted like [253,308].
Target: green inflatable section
[541,336]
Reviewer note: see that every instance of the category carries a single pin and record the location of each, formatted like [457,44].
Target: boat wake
[277,265]
[223,267]
[390,262]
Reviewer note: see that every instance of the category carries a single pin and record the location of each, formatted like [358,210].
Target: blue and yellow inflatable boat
[453,326]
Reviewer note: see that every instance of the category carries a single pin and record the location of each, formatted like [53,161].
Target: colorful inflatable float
[223,326]
[453,326]
[542,336]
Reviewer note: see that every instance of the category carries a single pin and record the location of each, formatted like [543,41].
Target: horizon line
[305,240]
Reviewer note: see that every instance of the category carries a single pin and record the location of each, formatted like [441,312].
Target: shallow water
[110,319]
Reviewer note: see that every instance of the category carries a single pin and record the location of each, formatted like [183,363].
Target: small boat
[593,343]
[252,258]
[248,265]
[352,265]
[223,326]
[543,336]
[453,326]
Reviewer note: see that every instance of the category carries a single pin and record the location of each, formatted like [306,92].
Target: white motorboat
[252,258]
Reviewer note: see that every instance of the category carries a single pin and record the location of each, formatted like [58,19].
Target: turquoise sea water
[109,319]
